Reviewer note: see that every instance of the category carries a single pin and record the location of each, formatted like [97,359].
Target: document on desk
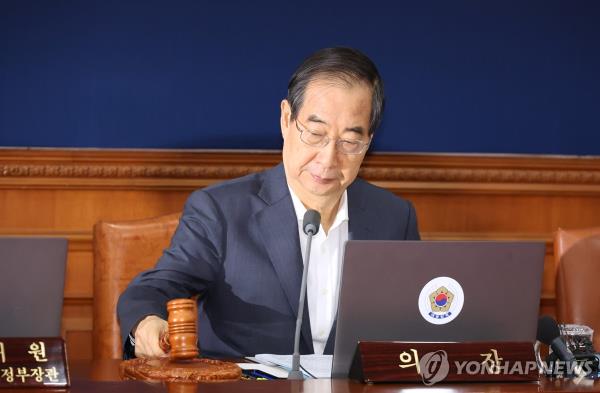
[312,366]
[275,371]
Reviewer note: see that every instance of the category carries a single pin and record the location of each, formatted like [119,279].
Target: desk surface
[102,376]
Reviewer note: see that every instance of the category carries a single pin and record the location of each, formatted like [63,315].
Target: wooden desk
[102,376]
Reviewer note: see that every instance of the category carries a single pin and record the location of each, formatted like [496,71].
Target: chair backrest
[121,251]
[577,259]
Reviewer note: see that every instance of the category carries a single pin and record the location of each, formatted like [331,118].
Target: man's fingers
[148,348]
[147,337]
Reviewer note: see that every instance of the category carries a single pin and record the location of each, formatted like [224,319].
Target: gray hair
[345,64]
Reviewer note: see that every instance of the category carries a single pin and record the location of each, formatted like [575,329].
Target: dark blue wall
[461,76]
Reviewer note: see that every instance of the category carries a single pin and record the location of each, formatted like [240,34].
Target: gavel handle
[163,342]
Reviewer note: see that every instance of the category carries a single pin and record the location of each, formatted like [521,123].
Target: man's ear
[285,119]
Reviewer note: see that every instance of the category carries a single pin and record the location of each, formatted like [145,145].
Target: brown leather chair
[121,251]
[577,259]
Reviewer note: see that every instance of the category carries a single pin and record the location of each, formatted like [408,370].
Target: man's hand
[147,336]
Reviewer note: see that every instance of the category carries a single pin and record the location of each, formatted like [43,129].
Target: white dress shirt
[324,267]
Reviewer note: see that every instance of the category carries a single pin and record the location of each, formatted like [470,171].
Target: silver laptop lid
[32,276]
[437,291]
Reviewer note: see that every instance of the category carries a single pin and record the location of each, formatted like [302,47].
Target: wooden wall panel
[65,192]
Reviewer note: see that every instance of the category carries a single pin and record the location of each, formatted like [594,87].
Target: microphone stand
[295,372]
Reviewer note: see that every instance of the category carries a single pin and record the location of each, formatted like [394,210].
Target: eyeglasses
[344,146]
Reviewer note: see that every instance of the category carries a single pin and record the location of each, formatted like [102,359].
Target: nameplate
[33,362]
[431,363]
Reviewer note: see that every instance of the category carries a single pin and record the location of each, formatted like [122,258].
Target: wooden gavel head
[183,333]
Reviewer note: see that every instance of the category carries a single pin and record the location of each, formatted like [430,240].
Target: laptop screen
[437,291]
[32,275]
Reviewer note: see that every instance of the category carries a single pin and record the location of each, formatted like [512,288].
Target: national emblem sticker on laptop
[441,300]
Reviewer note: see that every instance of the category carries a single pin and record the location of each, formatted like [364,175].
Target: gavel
[182,337]
[183,364]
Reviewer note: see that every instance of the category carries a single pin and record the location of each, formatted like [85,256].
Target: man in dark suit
[239,244]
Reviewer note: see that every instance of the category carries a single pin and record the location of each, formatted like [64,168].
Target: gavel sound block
[183,364]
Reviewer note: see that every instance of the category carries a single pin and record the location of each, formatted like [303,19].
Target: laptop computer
[32,276]
[437,291]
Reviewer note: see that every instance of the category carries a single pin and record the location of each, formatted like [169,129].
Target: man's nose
[328,155]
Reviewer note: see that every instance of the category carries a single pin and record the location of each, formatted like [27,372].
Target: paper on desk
[275,371]
[317,365]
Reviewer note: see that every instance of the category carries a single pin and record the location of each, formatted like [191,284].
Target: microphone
[578,364]
[549,333]
[311,222]
[310,226]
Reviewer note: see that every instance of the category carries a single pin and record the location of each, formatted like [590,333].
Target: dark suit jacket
[237,244]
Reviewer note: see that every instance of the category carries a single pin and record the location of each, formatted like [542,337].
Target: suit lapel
[359,225]
[278,226]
